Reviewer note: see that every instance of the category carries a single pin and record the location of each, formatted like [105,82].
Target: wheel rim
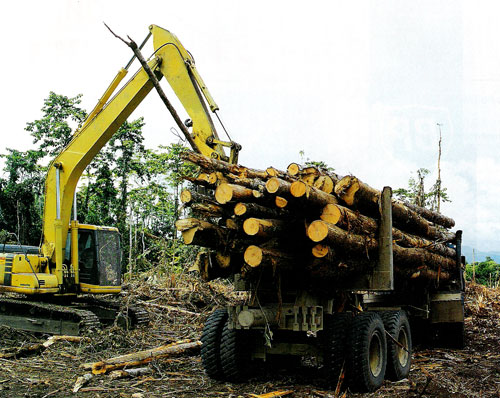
[403,352]
[376,355]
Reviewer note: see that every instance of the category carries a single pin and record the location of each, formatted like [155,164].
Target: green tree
[485,273]
[54,130]
[21,195]
[417,195]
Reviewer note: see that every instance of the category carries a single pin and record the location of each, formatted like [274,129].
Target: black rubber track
[210,343]
[363,329]
[336,330]
[394,322]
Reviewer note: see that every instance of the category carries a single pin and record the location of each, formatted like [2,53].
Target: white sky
[359,85]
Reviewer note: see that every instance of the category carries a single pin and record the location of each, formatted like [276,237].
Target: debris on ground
[179,304]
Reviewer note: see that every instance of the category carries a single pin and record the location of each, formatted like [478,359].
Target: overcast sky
[359,85]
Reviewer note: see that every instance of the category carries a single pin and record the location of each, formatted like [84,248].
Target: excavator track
[46,317]
[110,311]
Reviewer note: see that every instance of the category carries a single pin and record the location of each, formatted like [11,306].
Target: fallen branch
[146,356]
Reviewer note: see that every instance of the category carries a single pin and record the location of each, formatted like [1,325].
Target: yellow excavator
[77,260]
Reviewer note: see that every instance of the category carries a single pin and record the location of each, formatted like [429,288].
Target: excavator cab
[99,258]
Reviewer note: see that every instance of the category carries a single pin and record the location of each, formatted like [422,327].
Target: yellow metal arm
[170,60]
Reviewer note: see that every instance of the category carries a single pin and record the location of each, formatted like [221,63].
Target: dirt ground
[178,307]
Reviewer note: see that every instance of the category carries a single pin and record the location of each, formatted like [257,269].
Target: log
[252,183]
[255,210]
[256,256]
[314,196]
[324,183]
[202,233]
[323,251]
[294,169]
[321,231]
[432,216]
[423,272]
[263,227]
[146,356]
[356,193]
[204,179]
[125,373]
[278,186]
[210,164]
[188,197]
[362,225]
[280,202]
[227,192]
[209,209]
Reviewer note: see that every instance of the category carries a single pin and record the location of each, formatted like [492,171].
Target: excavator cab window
[99,257]
[109,255]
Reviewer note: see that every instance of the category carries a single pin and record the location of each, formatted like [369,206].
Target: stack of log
[311,221]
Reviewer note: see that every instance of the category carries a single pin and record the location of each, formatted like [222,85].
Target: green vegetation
[485,273]
[127,186]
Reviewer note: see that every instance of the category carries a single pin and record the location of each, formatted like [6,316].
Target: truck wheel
[367,353]
[336,330]
[233,354]
[398,359]
[210,343]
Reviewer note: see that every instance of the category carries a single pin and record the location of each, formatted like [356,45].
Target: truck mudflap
[447,307]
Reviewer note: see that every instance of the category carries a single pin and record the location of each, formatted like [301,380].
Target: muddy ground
[178,306]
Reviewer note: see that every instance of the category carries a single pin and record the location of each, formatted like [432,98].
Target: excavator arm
[172,61]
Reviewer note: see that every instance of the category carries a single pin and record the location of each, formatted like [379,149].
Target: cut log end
[186,196]
[240,209]
[331,213]
[320,251]
[293,169]
[253,256]
[346,189]
[223,193]
[272,185]
[317,231]
[280,202]
[298,189]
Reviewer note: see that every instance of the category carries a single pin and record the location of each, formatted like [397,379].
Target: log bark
[256,256]
[188,196]
[202,233]
[432,216]
[321,231]
[314,196]
[255,210]
[356,193]
[146,356]
[264,228]
[278,186]
[210,164]
[204,179]
[209,209]
[362,225]
[228,192]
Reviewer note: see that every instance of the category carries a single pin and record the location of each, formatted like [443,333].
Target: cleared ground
[179,305]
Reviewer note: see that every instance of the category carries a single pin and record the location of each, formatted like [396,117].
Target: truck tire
[233,354]
[335,334]
[367,357]
[210,343]
[398,359]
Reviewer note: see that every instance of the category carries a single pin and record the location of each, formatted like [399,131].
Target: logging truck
[329,266]
[350,277]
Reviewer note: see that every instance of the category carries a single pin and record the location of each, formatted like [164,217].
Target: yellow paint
[87,288]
